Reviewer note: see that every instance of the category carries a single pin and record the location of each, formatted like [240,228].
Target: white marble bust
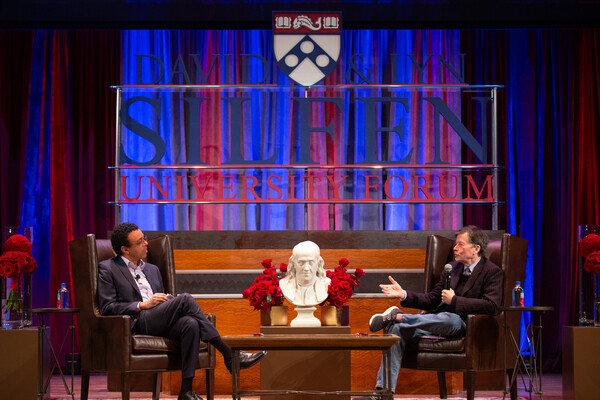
[306,283]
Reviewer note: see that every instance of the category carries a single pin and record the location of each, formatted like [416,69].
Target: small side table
[43,335]
[580,349]
[533,333]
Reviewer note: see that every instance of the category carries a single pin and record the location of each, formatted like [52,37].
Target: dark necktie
[466,273]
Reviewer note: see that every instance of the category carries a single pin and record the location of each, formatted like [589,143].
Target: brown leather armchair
[106,342]
[482,348]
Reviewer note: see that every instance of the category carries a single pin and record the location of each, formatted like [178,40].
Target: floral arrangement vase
[334,316]
[274,316]
[16,267]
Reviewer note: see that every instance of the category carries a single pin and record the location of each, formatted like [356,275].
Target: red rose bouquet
[589,247]
[264,291]
[342,284]
[16,259]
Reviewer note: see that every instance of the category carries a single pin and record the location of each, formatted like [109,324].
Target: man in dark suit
[129,286]
[475,288]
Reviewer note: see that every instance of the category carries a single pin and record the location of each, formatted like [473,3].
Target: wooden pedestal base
[319,370]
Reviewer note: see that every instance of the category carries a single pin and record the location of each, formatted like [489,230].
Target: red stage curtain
[56,136]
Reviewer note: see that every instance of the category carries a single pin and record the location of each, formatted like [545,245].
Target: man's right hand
[153,301]
[393,290]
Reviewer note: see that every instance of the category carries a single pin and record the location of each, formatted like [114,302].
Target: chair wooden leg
[469,384]
[157,385]
[210,383]
[125,385]
[442,384]
[85,384]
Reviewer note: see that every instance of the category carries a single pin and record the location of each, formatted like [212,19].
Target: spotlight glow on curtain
[272,123]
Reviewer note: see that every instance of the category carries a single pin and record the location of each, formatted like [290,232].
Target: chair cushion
[157,344]
[436,344]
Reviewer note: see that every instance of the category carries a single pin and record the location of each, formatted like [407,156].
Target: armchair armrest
[484,340]
[112,341]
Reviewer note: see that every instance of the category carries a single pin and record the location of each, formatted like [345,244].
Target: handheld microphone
[448,270]
[137,277]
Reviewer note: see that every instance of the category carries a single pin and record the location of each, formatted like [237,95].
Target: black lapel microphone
[448,270]
[137,277]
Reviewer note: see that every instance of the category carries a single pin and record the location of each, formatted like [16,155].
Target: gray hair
[477,237]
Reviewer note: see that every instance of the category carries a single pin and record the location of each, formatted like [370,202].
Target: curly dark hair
[476,237]
[119,236]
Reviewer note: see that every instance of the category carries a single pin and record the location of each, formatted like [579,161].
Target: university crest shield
[307,45]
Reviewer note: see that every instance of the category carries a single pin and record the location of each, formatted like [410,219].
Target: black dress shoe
[189,395]
[248,359]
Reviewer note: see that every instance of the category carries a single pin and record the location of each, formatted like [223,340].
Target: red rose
[18,243]
[589,244]
[263,287]
[283,268]
[13,263]
[4,269]
[31,266]
[277,291]
[592,263]
[259,296]
[334,287]
[264,290]
[343,296]
[342,283]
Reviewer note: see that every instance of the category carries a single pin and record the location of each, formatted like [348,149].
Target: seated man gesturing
[129,286]
[475,288]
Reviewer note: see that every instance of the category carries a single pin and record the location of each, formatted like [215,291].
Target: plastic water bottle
[62,298]
[518,296]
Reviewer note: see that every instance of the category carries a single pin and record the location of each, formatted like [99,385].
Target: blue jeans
[443,324]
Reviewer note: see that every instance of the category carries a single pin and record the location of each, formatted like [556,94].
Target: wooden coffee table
[311,342]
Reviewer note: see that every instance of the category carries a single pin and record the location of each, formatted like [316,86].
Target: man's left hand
[447,296]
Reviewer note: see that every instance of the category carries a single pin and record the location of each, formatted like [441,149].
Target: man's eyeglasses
[141,241]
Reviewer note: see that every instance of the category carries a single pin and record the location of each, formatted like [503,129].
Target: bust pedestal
[306,370]
[305,317]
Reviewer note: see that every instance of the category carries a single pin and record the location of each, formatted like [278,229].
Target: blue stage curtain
[550,94]
[540,62]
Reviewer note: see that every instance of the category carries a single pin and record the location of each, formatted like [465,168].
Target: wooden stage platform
[552,386]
